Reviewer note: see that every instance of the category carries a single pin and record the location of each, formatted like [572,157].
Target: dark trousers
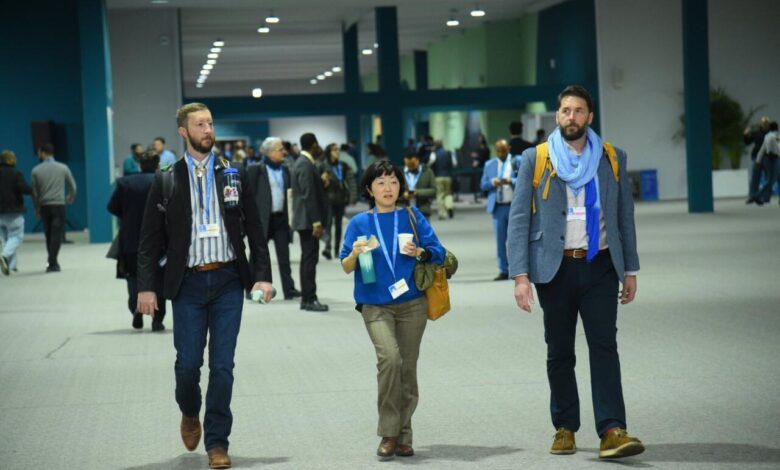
[279,232]
[336,223]
[209,303]
[309,258]
[769,165]
[132,296]
[592,290]
[53,218]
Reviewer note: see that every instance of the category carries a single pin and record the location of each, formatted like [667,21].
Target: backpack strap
[613,160]
[413,220]
[542,163]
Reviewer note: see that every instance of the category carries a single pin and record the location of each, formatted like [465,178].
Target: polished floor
[700,353]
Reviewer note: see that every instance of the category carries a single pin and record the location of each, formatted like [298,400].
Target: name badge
[398,289]
[208,230]
[575,213]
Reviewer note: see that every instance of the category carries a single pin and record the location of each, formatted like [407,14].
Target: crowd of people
[562,213]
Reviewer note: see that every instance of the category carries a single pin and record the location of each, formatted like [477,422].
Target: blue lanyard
[278,176]
[337,170]
[209,185]
[390,263]
[411,180]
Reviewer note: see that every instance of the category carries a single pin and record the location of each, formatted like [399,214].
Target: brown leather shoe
[403,450]
[617,443]
[190,432]
[387,447]
[563,442]
[218,458]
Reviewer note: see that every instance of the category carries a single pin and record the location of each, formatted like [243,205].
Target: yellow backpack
[543,162]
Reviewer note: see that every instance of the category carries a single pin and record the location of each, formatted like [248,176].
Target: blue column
[696,77]
[352,82]
[390,81]
[97,102]
[420,70]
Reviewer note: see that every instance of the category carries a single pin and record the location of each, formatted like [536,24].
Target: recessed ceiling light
[219,43]
[211,61]
[320,77]
[205,72]
[367,51]
[202,78]
[336,69]
[376,45]
[159,2]
[216,49]
[452,22]
[264,30]
[477,12]
[208,67]
[328,73]
[313,81]
[257,92]
[213,55]
[272,19]
[199,85]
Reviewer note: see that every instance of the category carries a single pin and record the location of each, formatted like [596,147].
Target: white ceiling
[307,40]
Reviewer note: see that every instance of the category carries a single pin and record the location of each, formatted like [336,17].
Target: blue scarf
[578,172]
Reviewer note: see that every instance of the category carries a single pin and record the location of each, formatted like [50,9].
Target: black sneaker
[53,268]
[158,325]
[138,321]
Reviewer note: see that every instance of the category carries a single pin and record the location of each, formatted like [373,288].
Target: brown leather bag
[438,294]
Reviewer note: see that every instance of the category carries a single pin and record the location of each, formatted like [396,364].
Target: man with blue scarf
[572,234]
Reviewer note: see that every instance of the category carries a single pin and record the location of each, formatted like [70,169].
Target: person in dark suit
[197,231]
[341,188]
[309,212]
[128,203]
[574,236]
[270,181]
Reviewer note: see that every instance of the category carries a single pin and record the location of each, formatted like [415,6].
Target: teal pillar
[97,110]
[352,81]
[389,68]
[420,70]
[696,79]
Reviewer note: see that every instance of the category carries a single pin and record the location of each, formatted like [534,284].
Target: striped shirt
[210,249]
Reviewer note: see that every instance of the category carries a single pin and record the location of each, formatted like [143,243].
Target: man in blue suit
[498,179]
[572,234]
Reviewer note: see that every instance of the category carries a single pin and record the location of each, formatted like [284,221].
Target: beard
[572,131]
[204,145]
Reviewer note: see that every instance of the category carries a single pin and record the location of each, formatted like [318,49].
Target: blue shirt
[378,293]
[167,158]
[130,166]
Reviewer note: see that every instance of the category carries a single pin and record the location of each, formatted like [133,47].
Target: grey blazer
[535,241]
[310,204]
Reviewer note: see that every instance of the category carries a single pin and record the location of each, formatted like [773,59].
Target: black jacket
[257,178]
[310,204]
[128,203]
[12,188]
[173,238]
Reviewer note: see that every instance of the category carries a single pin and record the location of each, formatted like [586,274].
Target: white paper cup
[402,239]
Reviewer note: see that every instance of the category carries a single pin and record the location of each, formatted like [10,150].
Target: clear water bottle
[366,261]
[232,188]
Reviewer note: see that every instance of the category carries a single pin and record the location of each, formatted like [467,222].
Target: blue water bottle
[232,188]
[366,261]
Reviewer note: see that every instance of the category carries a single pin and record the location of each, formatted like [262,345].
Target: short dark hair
[515,127]
[374,171]
[133,146]
[411,154]
[307,141]
[149,161]
[578,91]
[773,126]
[46,149]
[163,140]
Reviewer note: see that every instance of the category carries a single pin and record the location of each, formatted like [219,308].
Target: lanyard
[278,177]
[209,185]
[390,263]
[411,179]
[338,171]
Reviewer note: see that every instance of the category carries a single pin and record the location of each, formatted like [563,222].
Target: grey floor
[699,351]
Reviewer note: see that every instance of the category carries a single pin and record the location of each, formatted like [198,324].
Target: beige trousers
[396,331]
[444,196]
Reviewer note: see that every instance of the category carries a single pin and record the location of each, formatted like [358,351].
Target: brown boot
[190,431]
[563,443]
[403,450]
[617,443]
[387,447]
[218,458]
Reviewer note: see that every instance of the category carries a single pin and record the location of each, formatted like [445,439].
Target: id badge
[398,289]
[575,213]
[208,230]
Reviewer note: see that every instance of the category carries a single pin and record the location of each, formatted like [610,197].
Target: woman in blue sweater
[394,311]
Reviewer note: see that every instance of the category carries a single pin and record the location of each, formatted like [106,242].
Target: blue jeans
[11,234]
[500,227]
[207,302]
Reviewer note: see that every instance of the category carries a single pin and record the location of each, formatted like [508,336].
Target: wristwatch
[422,256]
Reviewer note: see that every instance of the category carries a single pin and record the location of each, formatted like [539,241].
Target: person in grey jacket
[574,237]
[50,178]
